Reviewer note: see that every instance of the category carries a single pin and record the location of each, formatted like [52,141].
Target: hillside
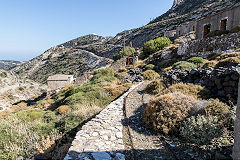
[14,89]
[89,49]
[7,65]
[67,58]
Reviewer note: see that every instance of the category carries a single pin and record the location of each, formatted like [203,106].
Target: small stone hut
[224,20]
[59,80]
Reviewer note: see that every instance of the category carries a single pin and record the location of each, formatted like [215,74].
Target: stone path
[148,146]
[102,137]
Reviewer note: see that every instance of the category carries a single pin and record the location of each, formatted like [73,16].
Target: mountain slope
[7,65]
[14,88]
[66,58]
[86,53]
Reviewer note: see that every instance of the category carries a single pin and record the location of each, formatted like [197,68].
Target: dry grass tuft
[63,109]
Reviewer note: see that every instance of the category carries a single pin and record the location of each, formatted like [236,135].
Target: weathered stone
[101,156]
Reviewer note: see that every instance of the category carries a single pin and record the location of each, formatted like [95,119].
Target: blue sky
[29,27]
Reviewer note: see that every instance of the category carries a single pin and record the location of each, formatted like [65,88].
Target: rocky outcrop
[221,82]
[14,89]
[7,65]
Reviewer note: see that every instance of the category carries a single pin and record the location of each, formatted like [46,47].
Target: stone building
[170,34]
[186,28]
[224,20]
[59,80]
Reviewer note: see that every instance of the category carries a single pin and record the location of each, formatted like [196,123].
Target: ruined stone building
[59,80]
[224,20]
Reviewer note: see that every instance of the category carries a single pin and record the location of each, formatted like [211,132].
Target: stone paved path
[102,137]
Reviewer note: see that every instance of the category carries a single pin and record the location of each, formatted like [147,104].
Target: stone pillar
[236,147]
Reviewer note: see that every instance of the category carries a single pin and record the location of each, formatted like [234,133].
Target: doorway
[223,25]
[206,29]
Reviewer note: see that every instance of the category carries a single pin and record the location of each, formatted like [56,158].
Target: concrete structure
[59,80]
[224,20]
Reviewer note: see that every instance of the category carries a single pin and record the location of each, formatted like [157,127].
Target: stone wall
[204,47]
[222,82]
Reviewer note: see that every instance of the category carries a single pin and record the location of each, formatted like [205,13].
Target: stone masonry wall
[207,46]
[222,82]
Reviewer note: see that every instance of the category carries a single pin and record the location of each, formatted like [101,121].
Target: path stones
[102,137]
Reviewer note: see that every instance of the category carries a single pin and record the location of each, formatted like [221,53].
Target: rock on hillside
[14,89]
[7,65]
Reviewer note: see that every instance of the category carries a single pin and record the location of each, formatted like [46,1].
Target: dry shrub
[22,105]
[228,61]
[150,75]
[207,64]
[47,144]
[227,55]
[67,87]
[189,89]
[217,108]
[63,109]
[86,110]
[4,114]
[165,113]
[155,86]
[122,70]
[116,90]
[15,108]
[167,69]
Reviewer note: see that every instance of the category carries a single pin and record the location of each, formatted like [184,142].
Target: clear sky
[29,27]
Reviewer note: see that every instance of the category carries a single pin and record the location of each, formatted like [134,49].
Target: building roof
[60,77]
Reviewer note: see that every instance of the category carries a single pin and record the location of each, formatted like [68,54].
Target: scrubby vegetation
[184,65]
[166,112]
[150,75]
[127,51]
[155,45]
[32,130]
[196,60]
[189,89]
[201,129]
[155,86]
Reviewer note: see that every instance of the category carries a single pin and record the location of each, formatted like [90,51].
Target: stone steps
[101,138]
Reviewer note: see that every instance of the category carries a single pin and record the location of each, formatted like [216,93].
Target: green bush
[196,60]
[150,75]
[189,89]
[103,75]
[3,74]
[165,113]
[127,52]
[155,86]
[184,65]
[216,33]
[201,129]
[149,67]
[155,45]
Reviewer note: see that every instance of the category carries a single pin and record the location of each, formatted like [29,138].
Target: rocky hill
[73,57]
[7,65]
[14,89]
[86,53]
